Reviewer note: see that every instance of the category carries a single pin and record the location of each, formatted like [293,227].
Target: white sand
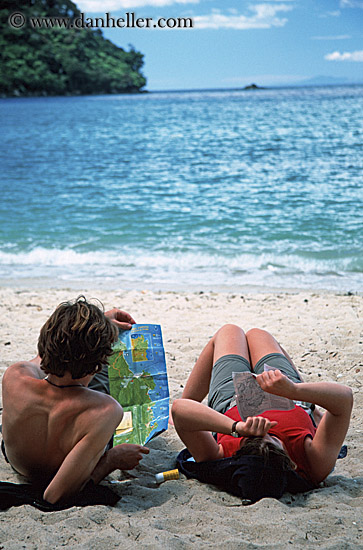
[321,333]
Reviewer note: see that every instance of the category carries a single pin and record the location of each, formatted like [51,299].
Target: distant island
[253,87]
[62,61]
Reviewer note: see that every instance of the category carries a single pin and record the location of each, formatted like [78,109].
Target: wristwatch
[234,432]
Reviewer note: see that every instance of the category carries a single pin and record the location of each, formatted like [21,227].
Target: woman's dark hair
[268,450]
[77,338]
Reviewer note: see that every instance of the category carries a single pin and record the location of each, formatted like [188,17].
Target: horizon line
[258,87]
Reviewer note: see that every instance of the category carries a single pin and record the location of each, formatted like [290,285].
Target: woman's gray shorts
[221,388]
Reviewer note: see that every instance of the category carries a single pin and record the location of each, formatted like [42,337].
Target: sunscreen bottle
[165,476]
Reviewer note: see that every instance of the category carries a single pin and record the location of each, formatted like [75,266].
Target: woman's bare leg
[261,343]
[230,339]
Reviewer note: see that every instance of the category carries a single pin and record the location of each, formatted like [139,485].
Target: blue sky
[237,42]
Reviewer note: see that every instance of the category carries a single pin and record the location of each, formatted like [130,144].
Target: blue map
[139,382]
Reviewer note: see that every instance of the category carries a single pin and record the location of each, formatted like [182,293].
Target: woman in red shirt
[290,435]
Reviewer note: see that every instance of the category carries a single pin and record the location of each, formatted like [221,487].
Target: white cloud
[98,6]
[346,56]
[351,4]
[335,13]
[264,16]
[338,37]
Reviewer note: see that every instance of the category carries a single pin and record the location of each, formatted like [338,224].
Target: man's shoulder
[20,370]
[99,410]
[102,401]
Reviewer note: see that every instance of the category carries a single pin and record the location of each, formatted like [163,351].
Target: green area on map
[138,381]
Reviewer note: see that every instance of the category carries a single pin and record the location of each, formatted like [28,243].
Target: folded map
[139,382]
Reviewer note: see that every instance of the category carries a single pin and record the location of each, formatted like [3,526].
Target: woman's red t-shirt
[293,428]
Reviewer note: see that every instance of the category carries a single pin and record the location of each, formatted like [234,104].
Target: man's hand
[127,456]
[255,426]
[120,318]
[273,381]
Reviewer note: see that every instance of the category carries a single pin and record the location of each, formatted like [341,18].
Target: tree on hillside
[57,61]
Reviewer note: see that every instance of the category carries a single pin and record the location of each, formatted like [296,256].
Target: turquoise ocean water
[195,189]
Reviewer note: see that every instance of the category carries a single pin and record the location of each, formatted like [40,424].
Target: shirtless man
[55,428]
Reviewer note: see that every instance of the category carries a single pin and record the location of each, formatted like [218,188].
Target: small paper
[125,425]
[251,400]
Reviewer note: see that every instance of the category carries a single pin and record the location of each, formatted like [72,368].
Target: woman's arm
[194,423]
[337,399]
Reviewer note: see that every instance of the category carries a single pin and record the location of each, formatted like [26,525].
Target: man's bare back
[56,429]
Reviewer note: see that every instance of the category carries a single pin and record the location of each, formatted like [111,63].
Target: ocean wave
[53,257]
[143,266]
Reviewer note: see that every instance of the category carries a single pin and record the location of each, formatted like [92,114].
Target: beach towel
[244,476]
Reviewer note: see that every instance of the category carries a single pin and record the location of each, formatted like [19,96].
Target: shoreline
[47,283]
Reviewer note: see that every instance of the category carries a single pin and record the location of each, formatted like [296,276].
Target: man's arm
[337,399]
[78,465]
[125,456]
[72,476]
[121,319]
[88,459]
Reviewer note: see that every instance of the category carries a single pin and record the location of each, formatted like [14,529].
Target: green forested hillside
[60,61]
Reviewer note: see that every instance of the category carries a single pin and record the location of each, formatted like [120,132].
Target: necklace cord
[65,386]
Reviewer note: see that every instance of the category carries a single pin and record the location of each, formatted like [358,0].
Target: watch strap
[234,432]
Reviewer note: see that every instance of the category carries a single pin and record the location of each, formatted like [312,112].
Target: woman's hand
[255,426]
[121,319]
[273,381]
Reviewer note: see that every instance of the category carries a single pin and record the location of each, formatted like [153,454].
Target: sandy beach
[321,332]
